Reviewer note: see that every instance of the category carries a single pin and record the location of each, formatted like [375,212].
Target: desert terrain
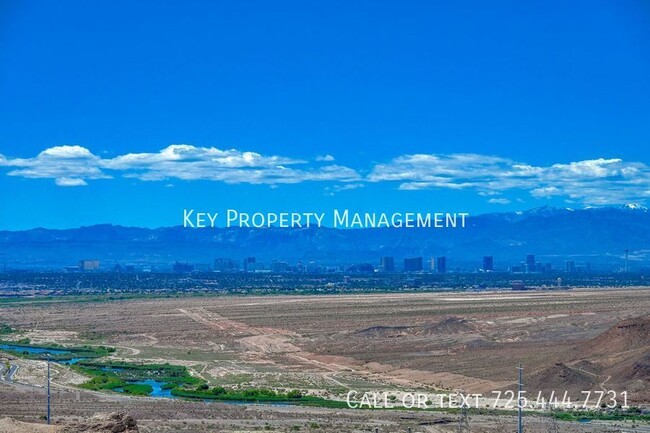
[470,342]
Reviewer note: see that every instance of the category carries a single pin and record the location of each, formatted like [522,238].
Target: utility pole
[463,422]
[520,385]
[49,419]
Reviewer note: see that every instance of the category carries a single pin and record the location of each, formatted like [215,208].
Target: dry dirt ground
[570,340]
[165,415]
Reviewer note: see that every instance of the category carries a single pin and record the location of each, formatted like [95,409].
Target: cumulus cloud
[70,181]
[595,182]
[67,165]
[546,191]
[499,201]
[192,156]
[186,162]
[74,165]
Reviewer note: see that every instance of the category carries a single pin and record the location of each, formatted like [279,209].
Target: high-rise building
[249,264]
[278,266]
[182,267]
[488,263]
[530,263]
[388,264]
[88,265]
[224,265]
[570,267]
[413,264]
[442,265]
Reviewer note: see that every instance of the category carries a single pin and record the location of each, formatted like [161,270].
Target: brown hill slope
[618,360]
[626,336]
[450,325]
[560,378]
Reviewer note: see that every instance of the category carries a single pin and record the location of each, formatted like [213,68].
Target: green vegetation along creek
[174,381]
[62,354]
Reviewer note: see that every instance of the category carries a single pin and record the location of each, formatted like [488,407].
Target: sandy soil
[330,344]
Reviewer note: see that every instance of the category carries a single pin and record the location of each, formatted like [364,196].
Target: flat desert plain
[471,342]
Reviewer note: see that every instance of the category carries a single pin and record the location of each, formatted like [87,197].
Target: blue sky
[127,113]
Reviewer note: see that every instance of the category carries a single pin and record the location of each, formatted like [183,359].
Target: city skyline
[545,237]
[383,265]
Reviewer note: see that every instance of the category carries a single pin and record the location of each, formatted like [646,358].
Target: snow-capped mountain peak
[635,206]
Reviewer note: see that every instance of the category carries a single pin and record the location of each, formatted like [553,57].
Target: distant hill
[451,325]
[623,355]
[618,359]
[559,377]
[595,235]
[626,336]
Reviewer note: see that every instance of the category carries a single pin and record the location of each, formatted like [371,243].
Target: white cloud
[597,181]
[499,201]
[67,165]
[70,181]
[184,154]
[546,191]
[186,162]
[592,182]
[67,152]
[590,168]
[73,165]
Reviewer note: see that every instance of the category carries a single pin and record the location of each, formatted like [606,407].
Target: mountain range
[598,236]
